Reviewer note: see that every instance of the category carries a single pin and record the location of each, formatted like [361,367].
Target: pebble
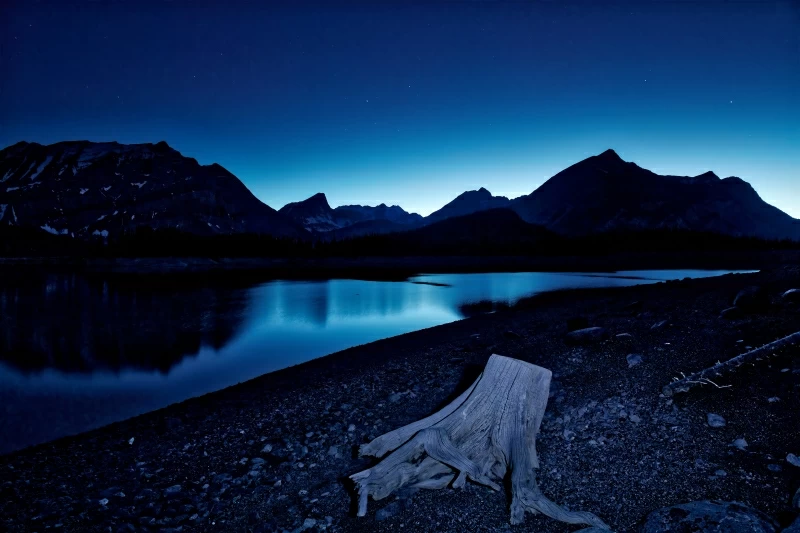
[793,460]
[720,473]
[774,468]
[633,360]
[635,419]
[174,489]
[351,428]
[104,501]
[130,441]
[740,443]
[715,420]
[267,448]
[308,523]
[773,399]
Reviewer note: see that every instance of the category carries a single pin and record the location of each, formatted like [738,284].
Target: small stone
[568,434]
[633,360]
[267,448]
[715,421]
[587,335]
[740,444]
[773,399]
[388,511]
[635,419]
[257,460]
[104,501]
[659,325]
[793,460]
[774,468]
[792,295]
[333,451]
[351,428]
[170,491]
[309,434]
[720,473]
[130,441]
[395,397]
[308,523]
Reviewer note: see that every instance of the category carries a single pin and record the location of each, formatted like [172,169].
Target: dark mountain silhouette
[394,213]
[604,193]
[316,215]
[494,231]
[85,189]
[467,203]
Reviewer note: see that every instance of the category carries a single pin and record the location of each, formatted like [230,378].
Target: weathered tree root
[705,376]
[488,430]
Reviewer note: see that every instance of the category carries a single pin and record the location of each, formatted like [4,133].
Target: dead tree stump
[483,434]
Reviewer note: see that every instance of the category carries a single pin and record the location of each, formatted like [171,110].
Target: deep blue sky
[412,103]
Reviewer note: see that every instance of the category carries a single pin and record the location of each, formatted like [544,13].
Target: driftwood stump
[483,434]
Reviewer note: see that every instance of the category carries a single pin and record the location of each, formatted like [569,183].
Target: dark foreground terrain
[273,454]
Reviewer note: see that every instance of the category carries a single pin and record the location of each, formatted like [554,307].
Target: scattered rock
[351,428]
[715,420]
[267,448]
[792,295]
[720,473]
[740,444]
[774,467]
[773,399]
[333,451]
[308,523]
[793,460]
[752,299]
[172,491]
[707,517]
[104,501]
[731,313]
[633,359]
[577,323]
[587,335]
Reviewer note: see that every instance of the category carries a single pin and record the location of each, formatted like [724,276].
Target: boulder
[731,313]
[752,299]
[792,295]
[794,528]
[577,322]
[587,335]
[709,517]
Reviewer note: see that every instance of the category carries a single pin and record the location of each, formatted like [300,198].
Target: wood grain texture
[489,431]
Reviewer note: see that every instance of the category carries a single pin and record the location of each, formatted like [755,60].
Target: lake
[78,352]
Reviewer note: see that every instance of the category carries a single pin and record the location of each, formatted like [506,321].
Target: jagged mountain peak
[103,189]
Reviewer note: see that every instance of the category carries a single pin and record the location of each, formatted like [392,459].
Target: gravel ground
[273,454]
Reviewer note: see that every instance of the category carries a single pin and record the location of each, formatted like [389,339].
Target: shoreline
[270,453]
[395,268]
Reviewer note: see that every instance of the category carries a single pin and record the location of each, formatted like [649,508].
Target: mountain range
[102,190]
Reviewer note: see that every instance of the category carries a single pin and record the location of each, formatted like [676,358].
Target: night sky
[415,102]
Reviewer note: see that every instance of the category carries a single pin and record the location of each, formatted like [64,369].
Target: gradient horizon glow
[413,103]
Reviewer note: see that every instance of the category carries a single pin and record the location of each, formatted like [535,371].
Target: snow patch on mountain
[41,167]
[54,231]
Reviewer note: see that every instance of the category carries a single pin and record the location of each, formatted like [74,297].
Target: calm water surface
[80,352]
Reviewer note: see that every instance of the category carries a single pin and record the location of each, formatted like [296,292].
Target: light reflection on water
[78,352]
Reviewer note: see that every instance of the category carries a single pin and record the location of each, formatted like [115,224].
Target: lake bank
[389,268]
[270,454]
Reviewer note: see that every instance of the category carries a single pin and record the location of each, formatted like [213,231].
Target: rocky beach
[275,453]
